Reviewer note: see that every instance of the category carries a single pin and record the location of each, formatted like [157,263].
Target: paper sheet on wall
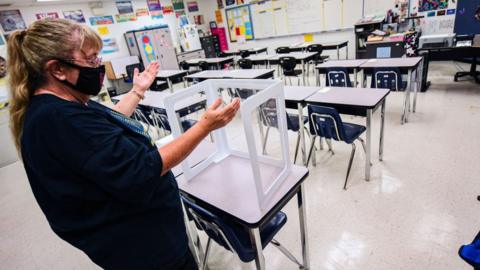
[103,30]
[308,37]
[218,16]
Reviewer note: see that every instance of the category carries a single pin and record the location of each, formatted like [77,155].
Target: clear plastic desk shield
[267,95]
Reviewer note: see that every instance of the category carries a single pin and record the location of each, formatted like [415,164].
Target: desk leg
[355,77]
[368,134]
[257,247]
[417,80]
[317,77]
[302,213]
[338,52]
[302,133]
[382,131]
[407,96]
[346,51]
[304,71]
[170,85]
[193,240]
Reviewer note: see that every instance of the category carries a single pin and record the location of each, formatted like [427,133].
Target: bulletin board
[466,23]
[239,21]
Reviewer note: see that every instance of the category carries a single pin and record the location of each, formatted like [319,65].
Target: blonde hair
[28,52]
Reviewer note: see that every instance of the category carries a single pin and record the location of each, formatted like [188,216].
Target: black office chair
[157,85]
[245,63]
[338,77]
[389,78]
[317,48]
[282,50]
[245,53]
[203,65]
[288,65]
[221,54]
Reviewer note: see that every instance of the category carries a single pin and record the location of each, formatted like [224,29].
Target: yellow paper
[308,37]
[218,16]
[103,30]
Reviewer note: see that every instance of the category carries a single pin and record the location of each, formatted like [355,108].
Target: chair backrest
[338,77]
[325,122]
[221,54]
[184,65]
[315,48]
[268,114]
[130,68]
[282,50]
[203,65]
[244,53]
[288,63]
[390,78]
[213,226]
[245,63]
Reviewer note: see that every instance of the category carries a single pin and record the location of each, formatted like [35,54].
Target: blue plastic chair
[270,120]
[233,236]
[389,78]
[471,253]
[325,122]
[338,77]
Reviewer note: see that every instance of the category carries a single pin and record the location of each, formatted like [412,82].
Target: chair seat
[295,72]
[267,232]
[352,131]
[292,123]
[471,254]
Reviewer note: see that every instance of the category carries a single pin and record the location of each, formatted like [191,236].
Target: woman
[100,181]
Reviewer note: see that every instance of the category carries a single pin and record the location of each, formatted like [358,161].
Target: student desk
[295,97]
[232,74]
[326,47]
[221,189]
[351,65]
[256,50]
[217,62]
[169,75]
[302,58]
[359,102]
[259,59]
[407,66]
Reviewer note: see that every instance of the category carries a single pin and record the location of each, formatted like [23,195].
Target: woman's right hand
[216,117]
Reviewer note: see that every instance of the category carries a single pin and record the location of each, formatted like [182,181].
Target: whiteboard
[373,7]
[269,18]
[304,16]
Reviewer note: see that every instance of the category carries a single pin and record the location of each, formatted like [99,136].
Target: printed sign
[11,20]
[101,20]
[45,15]
[74,15]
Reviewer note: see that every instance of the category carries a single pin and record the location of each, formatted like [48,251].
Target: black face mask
[90,80]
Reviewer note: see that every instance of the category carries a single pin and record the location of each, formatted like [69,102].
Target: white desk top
[392,62]
[235,74]
[156,100]
[349,96]
[252,50]
[299,93]
[222,186]
[201,152]
[354,63]
[262,57]
[170,73]
[214,60]
[297,55]
[325,44]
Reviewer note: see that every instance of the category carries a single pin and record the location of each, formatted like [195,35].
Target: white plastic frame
[266,90]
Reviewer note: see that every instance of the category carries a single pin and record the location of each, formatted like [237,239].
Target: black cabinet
[210,45]
[362,31]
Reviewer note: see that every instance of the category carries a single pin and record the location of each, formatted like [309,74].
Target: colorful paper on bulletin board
[198,19]
[240,2]
[125,18]
[147,46]
[2,42]
[103,30]
[451,11]
[154,5]
[229,2]
[428,5]
[156,14]
[441,12]
[178,4]
[124,7]
[308,37]
[192,6]
[167,9]
[141,12]
[179,13]
[45,15]
[218,16]
[431,14]
[74,15]
[239,18]
[219,4]
[109,46]
[101,20]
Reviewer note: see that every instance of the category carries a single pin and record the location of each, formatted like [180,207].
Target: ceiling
[34,2]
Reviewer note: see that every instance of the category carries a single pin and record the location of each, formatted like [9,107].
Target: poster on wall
[239,23]
[11,20]
[240,2]
[101,20]
[124,7]
[74,15]
[167,9]
[192,6]
[109,46]
[219,4]
[178,4]
[229,2]
[45,15]
[103,30]
[125,18]
[156,15]
[218,16]
[429,5]
[179,13]
[198,19]
[141,12]
[2,42]
[154,5]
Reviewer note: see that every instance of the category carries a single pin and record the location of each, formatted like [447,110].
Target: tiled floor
[416,211]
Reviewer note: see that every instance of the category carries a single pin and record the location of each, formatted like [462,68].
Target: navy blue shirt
[98,182]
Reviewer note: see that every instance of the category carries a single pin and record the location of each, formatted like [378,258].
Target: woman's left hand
[142,81]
